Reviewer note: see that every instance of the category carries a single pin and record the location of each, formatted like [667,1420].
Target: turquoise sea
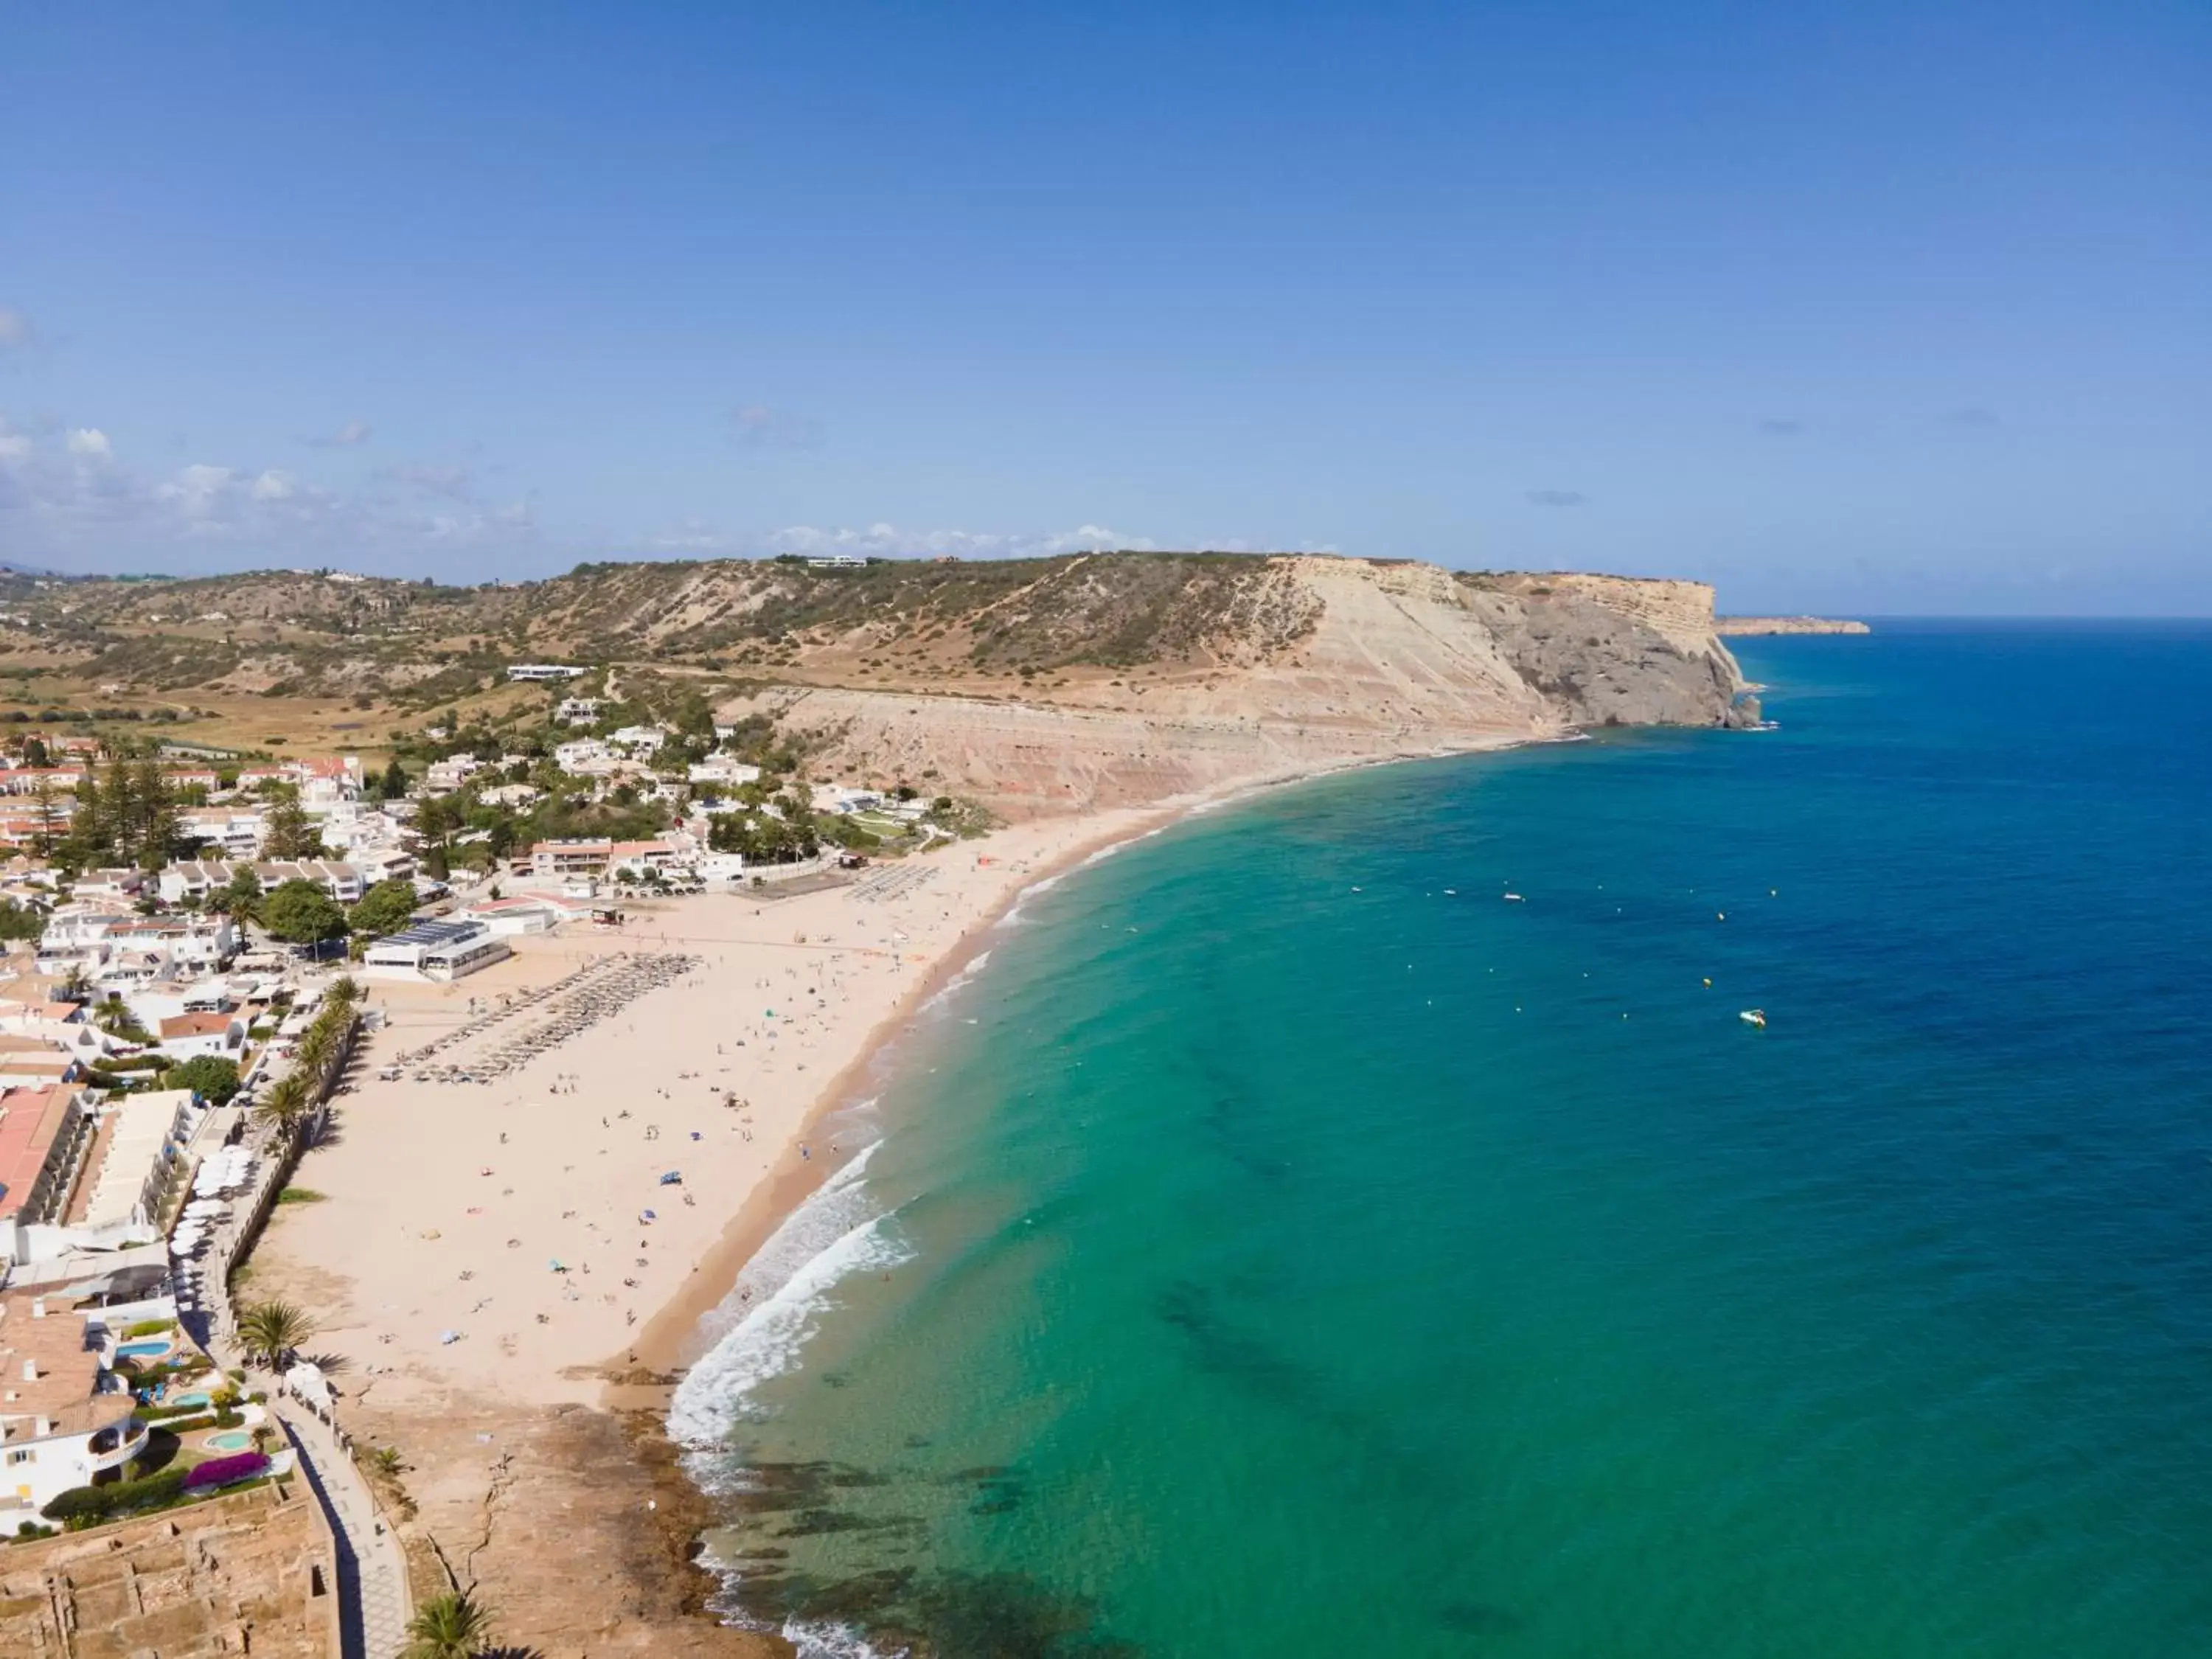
[1286,1245]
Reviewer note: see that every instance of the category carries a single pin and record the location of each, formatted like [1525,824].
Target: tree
[383,908]
[286,1103]
[114,1017]
[455,1626]
[344,990]
[317,1045]
[289,835]
[154,807]
[241,896]
[47,816]
[393,785]
[211,1077]
[34,753]
[270,1331]
[301,912]
[21,920]
[89,839]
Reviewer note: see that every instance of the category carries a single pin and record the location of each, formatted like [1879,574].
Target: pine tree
[120,837]
[290,836]
[156,799]
[46,815]
[80,848]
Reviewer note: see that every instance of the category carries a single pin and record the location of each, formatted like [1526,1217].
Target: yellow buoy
[1709,985]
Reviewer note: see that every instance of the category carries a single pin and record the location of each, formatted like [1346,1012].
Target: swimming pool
[146,1349]
[230,1440]
[196,1397]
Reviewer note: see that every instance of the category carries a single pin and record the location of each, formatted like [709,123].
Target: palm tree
[114,1017]
[286,1102]
[317,1043]
[272,1330]
[453,1626]
[344,992]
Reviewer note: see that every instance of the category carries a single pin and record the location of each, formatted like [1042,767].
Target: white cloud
[889,541]
[65,498]
[15,329]
[1095,538]
[352,433]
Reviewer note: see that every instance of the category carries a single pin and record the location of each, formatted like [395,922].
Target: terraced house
[66,1421]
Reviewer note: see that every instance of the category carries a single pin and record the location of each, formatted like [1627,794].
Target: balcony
[116,1445]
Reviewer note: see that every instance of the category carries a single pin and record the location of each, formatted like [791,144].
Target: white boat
[1514,898]
[1754,1017]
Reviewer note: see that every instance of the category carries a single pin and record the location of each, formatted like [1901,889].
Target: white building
[437,951]
[726,769]
[195,878]
[220,1033]
[544,671]
[585,757]
[443,777]
[639,739]
[66,1421]
[237,832]
[122,886]
[525,913]
[578,711]
[119,947]
[721,871]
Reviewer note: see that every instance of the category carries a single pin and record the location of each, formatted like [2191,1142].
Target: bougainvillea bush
[226,1471]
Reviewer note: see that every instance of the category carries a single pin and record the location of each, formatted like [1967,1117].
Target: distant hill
[1116,675]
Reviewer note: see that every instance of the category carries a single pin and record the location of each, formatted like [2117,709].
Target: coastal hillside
[1082,679]
[1319,661]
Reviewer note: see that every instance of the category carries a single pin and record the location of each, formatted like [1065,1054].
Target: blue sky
[1878,308]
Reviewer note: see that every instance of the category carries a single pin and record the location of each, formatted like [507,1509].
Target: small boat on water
[1514,898]
[1754,1017]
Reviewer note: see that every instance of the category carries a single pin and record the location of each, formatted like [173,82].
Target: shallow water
[1307,1251]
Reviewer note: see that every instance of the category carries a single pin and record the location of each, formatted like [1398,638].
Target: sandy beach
[488,1296]
[477,1269]
[488,1235]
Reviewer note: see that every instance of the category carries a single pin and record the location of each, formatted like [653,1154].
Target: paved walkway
[372,1573]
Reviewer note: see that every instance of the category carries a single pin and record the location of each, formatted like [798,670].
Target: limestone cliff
[1318,661]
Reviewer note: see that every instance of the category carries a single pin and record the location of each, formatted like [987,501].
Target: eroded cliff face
[1322,661]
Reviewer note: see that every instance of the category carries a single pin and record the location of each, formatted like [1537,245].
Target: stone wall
[251,1573]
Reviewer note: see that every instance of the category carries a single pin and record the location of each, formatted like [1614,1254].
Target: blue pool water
[149,1348]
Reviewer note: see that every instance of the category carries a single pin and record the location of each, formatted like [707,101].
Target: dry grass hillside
[1031,682]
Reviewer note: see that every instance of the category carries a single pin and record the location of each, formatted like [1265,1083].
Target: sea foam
[760,1328]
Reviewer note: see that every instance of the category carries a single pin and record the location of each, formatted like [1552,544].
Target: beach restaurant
[438,952]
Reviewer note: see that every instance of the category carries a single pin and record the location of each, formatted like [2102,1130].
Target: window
[16,1458]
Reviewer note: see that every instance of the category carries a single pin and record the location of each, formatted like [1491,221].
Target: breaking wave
[759,1328]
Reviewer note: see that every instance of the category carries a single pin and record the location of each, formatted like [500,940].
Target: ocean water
[1287,1245]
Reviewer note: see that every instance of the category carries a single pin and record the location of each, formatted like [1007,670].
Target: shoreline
[538,1453]
[664,1348]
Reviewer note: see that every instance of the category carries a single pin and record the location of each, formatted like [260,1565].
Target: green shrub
[149,1327]
[90,1506]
